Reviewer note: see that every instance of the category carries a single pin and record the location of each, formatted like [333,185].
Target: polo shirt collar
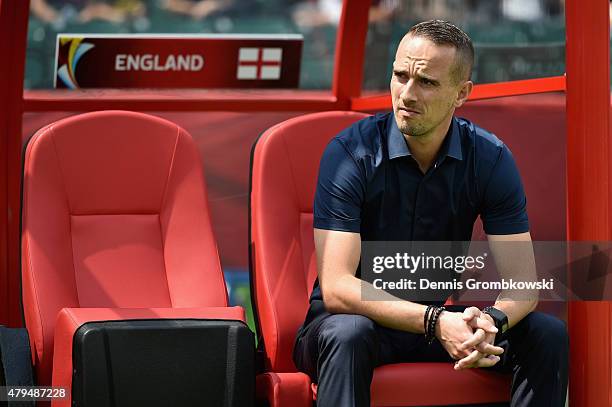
[398,147]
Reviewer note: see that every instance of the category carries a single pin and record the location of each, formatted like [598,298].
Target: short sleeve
[340,190]
[504,210]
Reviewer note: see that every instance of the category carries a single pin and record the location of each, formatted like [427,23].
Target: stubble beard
[417,128]
[411,129]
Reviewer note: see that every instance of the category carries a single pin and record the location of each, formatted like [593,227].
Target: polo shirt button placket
[417,217]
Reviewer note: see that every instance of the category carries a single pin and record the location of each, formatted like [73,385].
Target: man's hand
[483,352]
[453,332]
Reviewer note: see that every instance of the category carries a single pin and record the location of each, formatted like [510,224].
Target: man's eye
[427,81]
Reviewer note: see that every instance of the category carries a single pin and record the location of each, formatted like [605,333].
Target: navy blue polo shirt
[369,183]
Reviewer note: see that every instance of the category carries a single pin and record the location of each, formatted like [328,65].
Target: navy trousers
[340,352]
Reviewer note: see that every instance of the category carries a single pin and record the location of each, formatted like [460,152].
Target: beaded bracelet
[426,318]
[431,327]
[433,334]
[431,309]
[431,324]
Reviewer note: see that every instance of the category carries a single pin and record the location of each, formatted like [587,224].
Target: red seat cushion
[419,384]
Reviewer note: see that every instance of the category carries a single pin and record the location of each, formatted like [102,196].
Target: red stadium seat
[284,170]
[115,227]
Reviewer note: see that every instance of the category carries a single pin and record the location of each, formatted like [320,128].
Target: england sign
[178,61]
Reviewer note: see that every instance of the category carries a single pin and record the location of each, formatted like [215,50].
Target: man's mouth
[408,111]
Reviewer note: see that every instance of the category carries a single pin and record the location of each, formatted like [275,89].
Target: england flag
[259,63]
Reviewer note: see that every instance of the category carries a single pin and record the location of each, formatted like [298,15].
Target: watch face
[501,320]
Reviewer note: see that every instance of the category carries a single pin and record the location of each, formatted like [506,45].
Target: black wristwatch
[500,319]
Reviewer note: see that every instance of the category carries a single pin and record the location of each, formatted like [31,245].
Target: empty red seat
[284,172]
[116,228]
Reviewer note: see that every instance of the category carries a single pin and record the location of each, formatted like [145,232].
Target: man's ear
[464,93]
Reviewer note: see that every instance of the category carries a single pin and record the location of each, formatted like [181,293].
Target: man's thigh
[387,345]
[536,333]
[324,338]
[400,347]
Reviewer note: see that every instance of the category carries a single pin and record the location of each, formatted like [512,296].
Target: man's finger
[483,324]
[474,340]
[470,313]
[489,349]
[487,361]
[468,360]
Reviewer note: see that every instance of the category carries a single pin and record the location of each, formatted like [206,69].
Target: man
[421,174]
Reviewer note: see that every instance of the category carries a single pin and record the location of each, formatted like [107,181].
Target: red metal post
[13,39]
[588,189]
[3,178]
[350,50]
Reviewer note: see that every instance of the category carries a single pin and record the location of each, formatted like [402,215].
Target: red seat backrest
[283,181]
[115,214]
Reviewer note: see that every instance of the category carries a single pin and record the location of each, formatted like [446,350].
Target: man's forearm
[345,297]
[514,258]
[514,309]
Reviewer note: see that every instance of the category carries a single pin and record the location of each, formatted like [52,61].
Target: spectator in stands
[59,12]
[197,9]
[420,174]
[312,14]
[531,10]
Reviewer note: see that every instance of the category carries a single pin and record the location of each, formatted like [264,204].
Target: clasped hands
[469,338]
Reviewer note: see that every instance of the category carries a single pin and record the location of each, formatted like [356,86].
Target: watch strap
[499,317]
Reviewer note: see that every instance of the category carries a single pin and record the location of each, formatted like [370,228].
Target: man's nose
[408,93]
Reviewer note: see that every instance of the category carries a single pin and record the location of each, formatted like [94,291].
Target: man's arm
[337,259]
[504,217]
[514,258]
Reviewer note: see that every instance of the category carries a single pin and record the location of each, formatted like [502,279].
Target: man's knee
[348,331]
[547,332]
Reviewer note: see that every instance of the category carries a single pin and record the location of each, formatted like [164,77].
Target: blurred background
[515,39]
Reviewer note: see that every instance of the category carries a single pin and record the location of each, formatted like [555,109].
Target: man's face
[423,88]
